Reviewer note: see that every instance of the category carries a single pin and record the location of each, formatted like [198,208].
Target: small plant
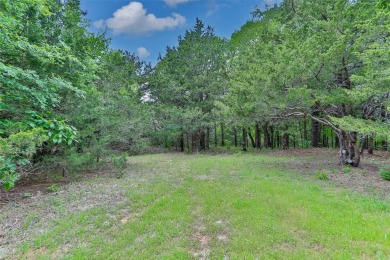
[8,175]
[346,169]
[322,176]
[53,188]
[120,163]
[385,173]
[27,195]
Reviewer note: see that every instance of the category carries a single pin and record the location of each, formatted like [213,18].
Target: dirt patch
[222,237]
[35,253]
[128,218]
[303,152]
[202,239]
[25,217]
[363,179]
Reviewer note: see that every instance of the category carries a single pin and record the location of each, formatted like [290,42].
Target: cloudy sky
[147,27]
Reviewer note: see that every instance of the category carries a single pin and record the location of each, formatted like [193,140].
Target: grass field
[169,206]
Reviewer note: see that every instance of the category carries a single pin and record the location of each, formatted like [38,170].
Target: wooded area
[303,74]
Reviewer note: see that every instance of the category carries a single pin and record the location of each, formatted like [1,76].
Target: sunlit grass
[239,206]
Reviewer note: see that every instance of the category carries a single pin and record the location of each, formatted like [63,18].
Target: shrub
[322,176]
[8,175]
[81,162]
[119,162]
[346,169]
[385,173]
[53,188]
[15,151]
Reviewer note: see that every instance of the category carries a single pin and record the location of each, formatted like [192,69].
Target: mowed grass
[242,206]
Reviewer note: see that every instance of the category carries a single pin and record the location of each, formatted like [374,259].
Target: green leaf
[9,185]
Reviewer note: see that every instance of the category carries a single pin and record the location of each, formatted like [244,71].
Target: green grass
[241,206]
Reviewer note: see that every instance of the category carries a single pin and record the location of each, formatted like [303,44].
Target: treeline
[301,74]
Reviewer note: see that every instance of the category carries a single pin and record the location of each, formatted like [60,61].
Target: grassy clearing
[236,206]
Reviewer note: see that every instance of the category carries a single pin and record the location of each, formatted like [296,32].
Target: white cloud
[214,7]
[143,52]
[174,3]
[99,24]
[133,19]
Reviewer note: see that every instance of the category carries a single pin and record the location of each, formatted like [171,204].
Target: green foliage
[27,195]
[53,188]
[385,173]
[78,162]
[346,169]
[120,163]
[57,131]
[186,83]
[17,150]
[8,175]
[327,61]
[322,176]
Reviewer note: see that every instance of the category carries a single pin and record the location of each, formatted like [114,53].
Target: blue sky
[147,27]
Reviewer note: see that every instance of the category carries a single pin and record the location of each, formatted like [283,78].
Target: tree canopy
[299,64]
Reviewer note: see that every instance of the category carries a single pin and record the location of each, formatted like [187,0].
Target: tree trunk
[223,135]
[384,144]
[188,142]
[286,141]
[251,137]
[271,141]
[244,139]
[315,134]
[207,138]
[324,137]
[315,130]
[235,137]
[305,130]
[202,141]
[194,146]
[182,142]
[371,145]
[349,151]
[266,136]
[258,136]
[215,135]
[277,135]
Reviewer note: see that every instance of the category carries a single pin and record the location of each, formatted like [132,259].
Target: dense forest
[305,73]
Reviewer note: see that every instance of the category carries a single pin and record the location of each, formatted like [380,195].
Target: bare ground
[363,179]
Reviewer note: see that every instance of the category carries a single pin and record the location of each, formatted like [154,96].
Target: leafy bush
[17,150]
[8,175]
[57,131]
[119,163]
[322,176]
[53,188]
[385,173]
